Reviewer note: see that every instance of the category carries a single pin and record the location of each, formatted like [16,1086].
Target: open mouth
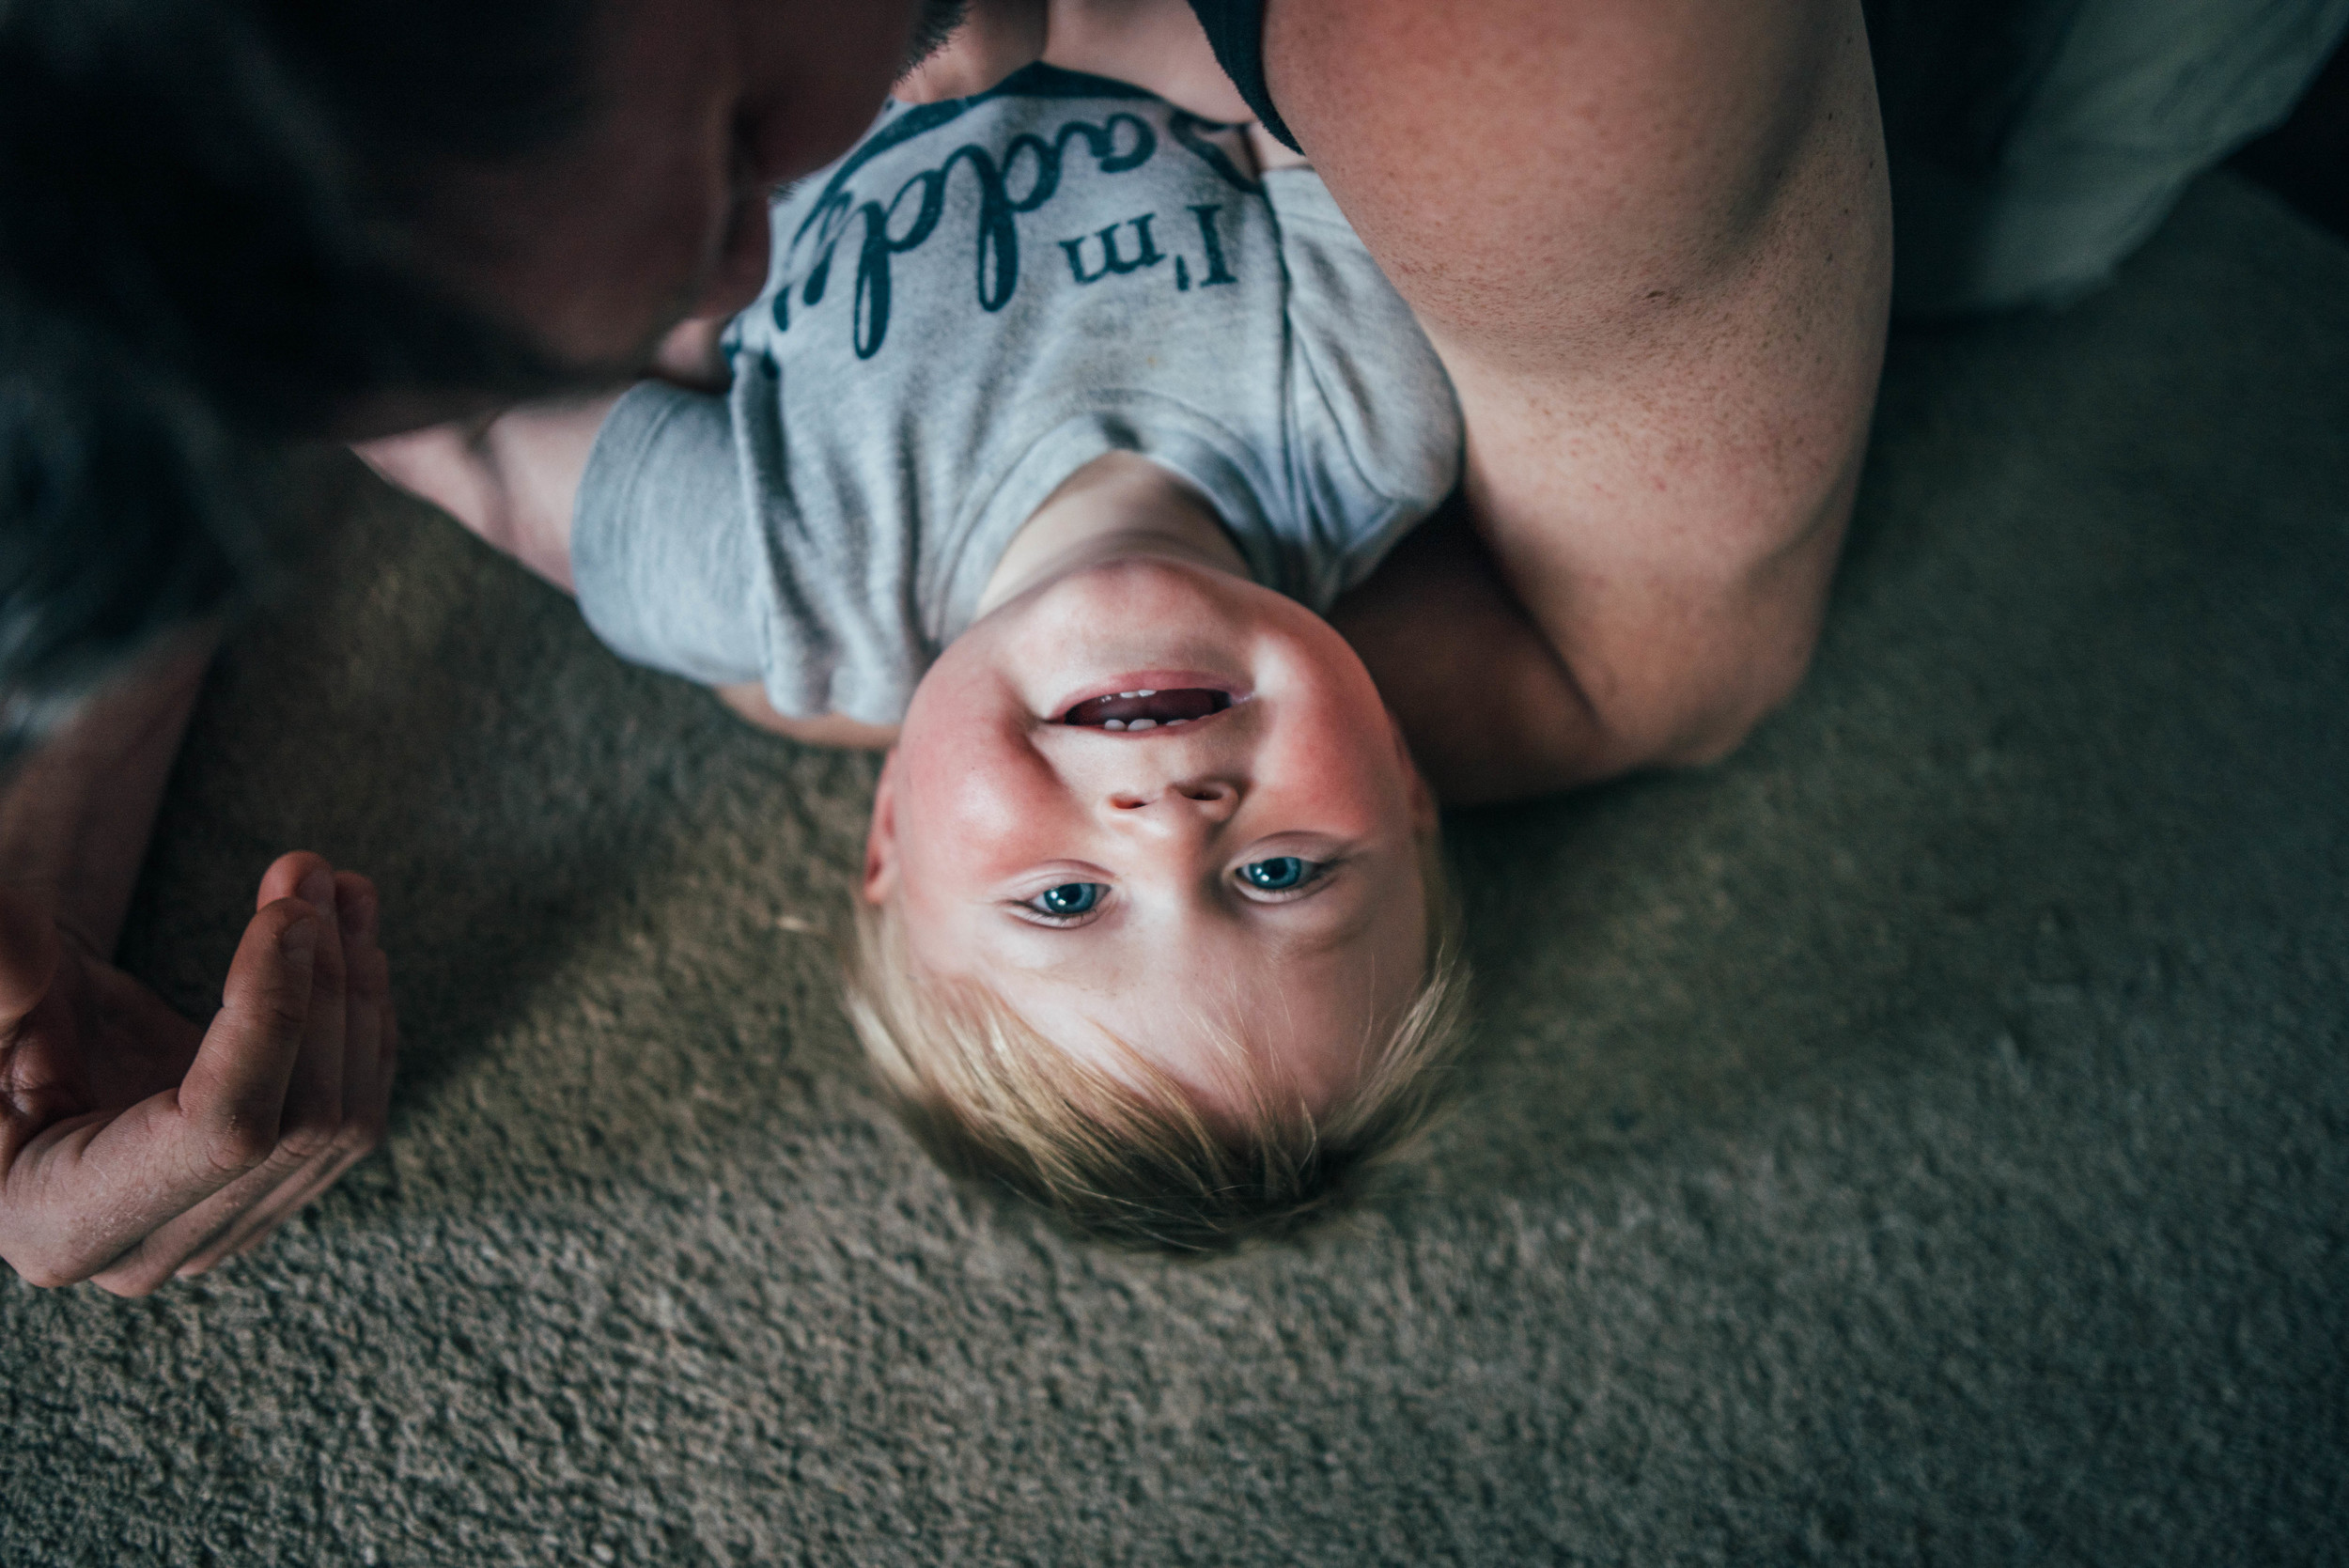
[1136,711]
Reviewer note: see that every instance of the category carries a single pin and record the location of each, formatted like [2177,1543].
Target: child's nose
[1211,800]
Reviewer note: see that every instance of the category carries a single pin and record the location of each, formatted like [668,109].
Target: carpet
[1917,1139]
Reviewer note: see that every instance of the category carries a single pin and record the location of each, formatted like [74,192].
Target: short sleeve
[1374,429]
[690,553]
[662,556]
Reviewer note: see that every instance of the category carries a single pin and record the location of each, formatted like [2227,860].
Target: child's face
[1257,867]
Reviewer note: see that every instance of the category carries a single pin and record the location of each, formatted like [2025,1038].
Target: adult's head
[225,223]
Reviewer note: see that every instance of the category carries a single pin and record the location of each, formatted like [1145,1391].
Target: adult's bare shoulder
[1652,241]
[1548,163]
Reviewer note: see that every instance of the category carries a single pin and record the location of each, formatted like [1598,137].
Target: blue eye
[1068,900]
[1284,874]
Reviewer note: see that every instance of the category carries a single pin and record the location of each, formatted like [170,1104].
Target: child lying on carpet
[1063,413]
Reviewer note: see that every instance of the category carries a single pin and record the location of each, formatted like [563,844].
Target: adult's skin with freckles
[1651,241]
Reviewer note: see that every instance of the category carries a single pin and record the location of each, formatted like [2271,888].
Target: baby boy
[1058,423]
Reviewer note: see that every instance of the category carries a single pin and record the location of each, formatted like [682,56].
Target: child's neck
[1116,505]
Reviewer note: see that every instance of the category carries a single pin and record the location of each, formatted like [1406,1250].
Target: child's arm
[513,480]
[1491,711]
[1493,707]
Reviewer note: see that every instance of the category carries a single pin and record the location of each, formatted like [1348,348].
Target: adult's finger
[86,1195]
[307,1114]
[259,1221]
[313,1109]
[310,1117]
[371,1048]
[163,1252]
[234,1095]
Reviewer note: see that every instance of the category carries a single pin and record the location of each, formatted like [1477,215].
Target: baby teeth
[1143,724]
[1114,724]
[1128,696]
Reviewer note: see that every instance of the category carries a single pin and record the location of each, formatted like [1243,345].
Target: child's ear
[880,839]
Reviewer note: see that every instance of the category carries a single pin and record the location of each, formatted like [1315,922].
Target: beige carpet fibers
[1918,1141]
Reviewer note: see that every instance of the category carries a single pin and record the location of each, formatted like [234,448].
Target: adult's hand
[136,1147]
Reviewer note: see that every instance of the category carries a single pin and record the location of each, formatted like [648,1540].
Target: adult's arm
[135,1146]
[76,818]
[1651,239]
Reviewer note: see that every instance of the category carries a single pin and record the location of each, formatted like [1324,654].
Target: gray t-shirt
[979,299]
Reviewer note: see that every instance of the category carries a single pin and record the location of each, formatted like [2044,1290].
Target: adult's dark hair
[202,210]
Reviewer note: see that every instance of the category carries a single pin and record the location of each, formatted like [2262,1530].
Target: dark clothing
[1236,27]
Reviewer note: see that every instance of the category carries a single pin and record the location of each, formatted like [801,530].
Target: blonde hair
[1126,1157]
